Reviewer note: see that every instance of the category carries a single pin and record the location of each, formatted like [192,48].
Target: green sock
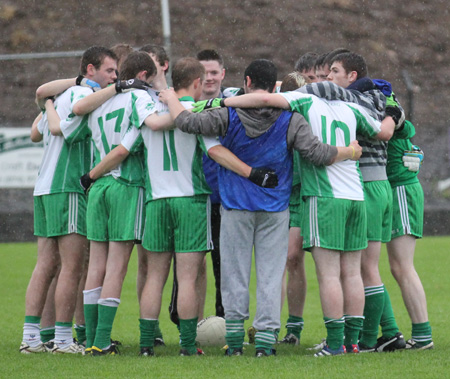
[106,315]
[188,332]
[235,333]
[294,325]
[265,339]
[352,327]
[91,319]
[373,310]
[388,324]
[158,333]
[47,334]
[421,333]
[335,332]
[32,320]
[148,331]
[80,330]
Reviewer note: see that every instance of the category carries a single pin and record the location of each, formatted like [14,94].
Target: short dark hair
[320,61]
[306,62]
[352,62]
[330,56]
[263,74]
[95,56]
[159,52]
[185,71]
[121,50]
[210,55]
[136,62]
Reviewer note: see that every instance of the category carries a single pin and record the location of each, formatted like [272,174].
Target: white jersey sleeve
[74,127]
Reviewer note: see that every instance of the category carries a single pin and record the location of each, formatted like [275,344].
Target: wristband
[353,153]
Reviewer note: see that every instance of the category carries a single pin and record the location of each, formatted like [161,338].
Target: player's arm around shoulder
[36,135]
[53,118]
[301,138]
[209,123]
[158,122]
[93,101]
[53,88]
[257,100]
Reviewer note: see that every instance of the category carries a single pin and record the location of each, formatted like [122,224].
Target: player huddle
[128,161]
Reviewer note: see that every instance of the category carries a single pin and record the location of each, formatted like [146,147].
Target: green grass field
[432,262]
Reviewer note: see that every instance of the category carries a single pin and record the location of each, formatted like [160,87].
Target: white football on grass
[211,331]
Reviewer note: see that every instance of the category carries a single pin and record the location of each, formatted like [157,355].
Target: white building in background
[19,158]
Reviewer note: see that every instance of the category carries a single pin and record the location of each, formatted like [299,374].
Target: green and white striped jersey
[117,121]
[174,161]
[64,161]
[335,123]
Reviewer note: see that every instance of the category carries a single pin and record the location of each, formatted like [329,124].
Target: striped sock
[421,333]
[373,310]
[353,325]
[235,333]
[294,325]
[335,332]
[265,339]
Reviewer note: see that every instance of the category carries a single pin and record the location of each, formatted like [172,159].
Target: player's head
[346,68]
[188,73]
[292,81]
[261,74]
[214,72]
[138,64]
[99,64]
[330,55]
[159,56]
[320,68]
[322,65]
[305,65]
[121,50]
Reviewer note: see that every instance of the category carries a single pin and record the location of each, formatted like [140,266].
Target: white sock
[92,296]
[31,334]
[63,336]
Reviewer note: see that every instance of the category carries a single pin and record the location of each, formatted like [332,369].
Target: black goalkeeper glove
[86,182]
[264,177]
[397,115]
[128,85]
[85,82]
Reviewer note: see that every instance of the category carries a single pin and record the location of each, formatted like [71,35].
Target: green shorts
[179,224]
[60,214]
[295,207]
[115,211]
[407,215]
[334,224]
[378,198]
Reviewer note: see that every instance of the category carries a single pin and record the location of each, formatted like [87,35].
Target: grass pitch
[432,262]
